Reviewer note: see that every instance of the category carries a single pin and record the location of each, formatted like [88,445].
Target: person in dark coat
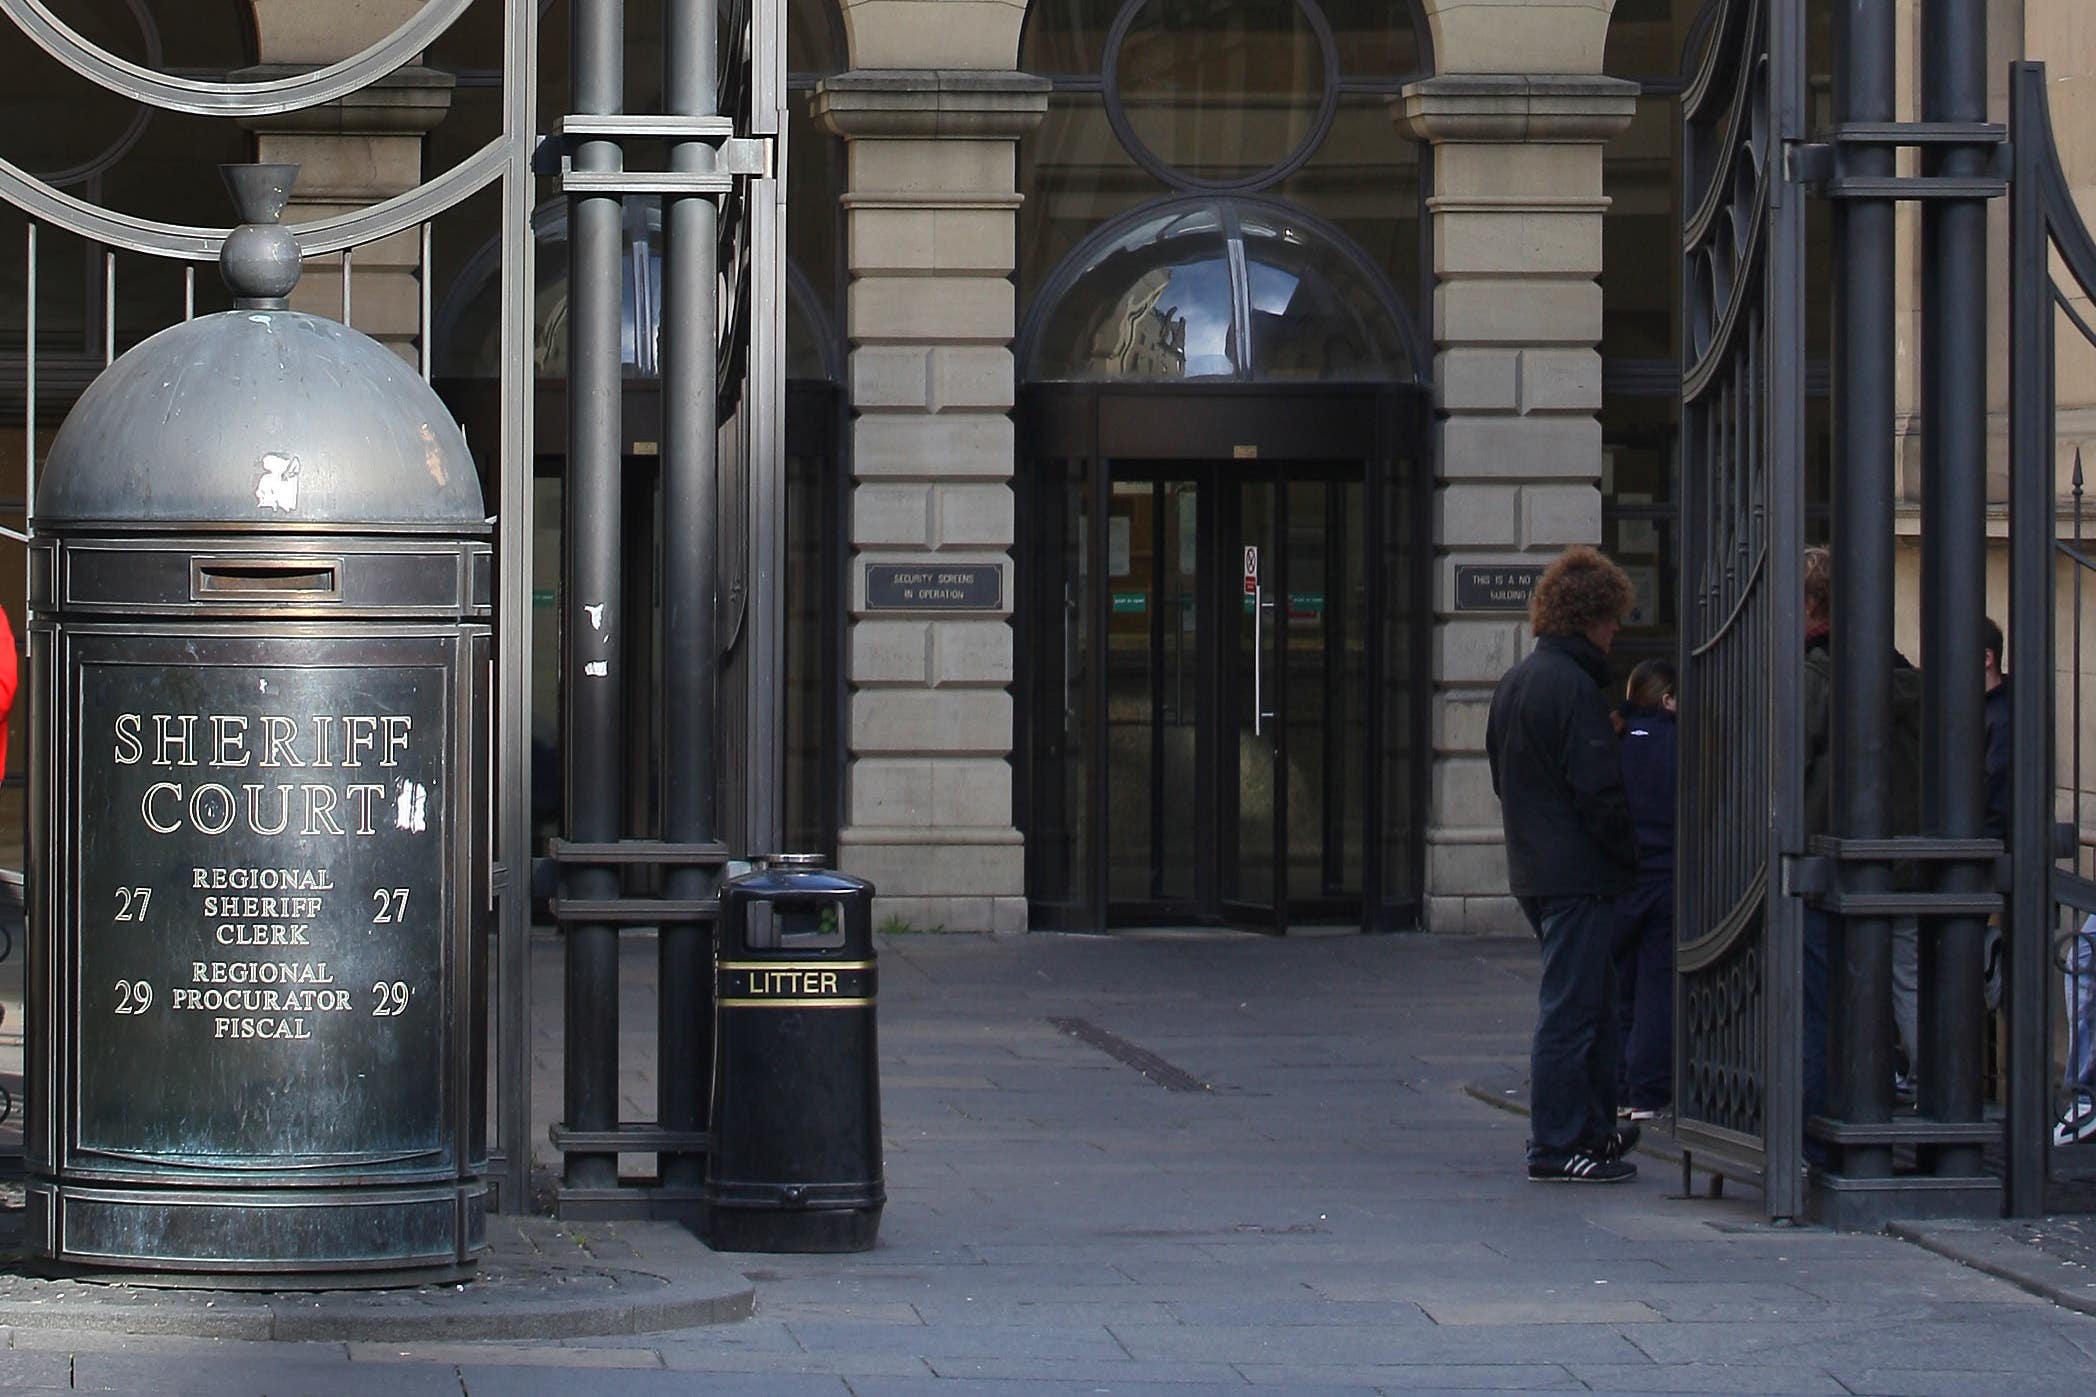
[1903,801]
[1571,852]
[1997,731]
[1644,947]
[1997,768]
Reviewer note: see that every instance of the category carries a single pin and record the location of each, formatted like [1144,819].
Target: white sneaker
[2079,1123]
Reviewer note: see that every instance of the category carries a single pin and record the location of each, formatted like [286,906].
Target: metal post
[690,537]
[1782,1181]
[2031,563]
[513,628]
[1954,542]
[1859,1029]
[593,671]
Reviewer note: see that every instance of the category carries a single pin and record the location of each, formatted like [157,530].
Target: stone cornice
[931,103]
[409,101]
[1515,107]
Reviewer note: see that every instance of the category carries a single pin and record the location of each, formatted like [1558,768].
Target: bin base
[791,1230]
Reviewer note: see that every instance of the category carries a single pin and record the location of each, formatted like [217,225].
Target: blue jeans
[2079,985]
[1644,965]
[1572,1059]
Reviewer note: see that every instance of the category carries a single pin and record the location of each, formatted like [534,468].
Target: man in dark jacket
[1571,851]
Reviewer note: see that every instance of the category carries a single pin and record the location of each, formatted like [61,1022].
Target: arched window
[1223,288]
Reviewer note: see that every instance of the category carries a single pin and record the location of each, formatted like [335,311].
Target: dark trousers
[1572,1060]
[1644,957]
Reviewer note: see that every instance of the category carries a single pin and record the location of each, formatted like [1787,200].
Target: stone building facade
[1090,299]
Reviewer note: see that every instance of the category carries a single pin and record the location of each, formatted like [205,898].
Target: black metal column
[1954,538]
[690,526]
[1859,952]
[593,623]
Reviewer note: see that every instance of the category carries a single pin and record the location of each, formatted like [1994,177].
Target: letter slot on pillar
[259,590]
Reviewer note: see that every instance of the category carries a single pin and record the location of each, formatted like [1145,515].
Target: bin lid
[261,415]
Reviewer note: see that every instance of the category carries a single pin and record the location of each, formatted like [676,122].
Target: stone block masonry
[930,319]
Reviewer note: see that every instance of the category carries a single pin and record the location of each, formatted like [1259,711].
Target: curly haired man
[1571,851]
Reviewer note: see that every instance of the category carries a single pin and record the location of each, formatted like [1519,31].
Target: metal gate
[1743,392]
[714,156]
[2052,845]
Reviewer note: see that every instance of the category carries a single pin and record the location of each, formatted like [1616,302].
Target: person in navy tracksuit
[1644,934]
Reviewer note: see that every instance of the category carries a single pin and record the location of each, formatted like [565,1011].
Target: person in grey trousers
[1571,852]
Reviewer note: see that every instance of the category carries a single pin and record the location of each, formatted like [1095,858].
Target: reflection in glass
[1221,93]
[1154,304]
[1068,37]
[1131,692]
[1248,873]
[1232,290]
[1057,838]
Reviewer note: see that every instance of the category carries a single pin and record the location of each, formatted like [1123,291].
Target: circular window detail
[1230,96]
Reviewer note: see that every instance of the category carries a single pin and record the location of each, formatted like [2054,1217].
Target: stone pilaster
[1516,215]
[931,243]
[352,154]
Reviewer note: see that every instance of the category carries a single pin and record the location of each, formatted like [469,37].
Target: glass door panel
[1175,638]
[1254,810]
[1400,697]
[1325,663]
[1155,840]
[1132,666]
[1060,672]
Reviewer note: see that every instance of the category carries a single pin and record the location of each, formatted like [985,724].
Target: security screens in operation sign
[934,586]
[260,911]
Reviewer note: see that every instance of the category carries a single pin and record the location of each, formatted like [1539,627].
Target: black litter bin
[795,1163]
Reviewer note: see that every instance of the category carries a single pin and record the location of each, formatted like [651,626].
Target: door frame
[1384,428]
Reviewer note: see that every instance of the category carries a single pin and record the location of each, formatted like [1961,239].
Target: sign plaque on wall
[934,587]
[1495,586]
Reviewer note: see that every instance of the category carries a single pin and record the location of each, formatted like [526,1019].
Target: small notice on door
[1495,586]
[934,587]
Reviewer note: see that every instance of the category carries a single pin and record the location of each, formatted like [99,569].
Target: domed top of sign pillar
[261,415]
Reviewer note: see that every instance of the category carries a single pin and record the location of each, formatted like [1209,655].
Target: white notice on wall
[1117,536]
[1644,586]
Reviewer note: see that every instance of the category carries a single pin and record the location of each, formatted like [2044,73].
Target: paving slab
[1335,1214]
[2051,1257]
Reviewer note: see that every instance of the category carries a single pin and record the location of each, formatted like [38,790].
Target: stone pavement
[1201,1162]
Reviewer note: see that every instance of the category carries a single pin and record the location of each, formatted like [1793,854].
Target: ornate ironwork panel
[1743,390]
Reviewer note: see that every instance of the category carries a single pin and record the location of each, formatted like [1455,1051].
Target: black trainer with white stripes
[1582,1168]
